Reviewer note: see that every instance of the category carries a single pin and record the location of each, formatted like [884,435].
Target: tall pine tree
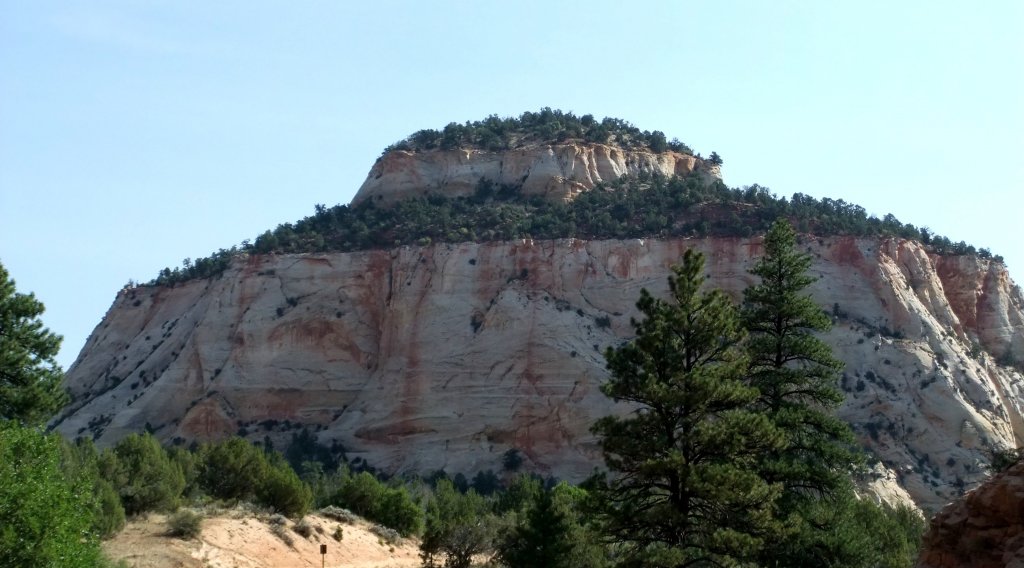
[795,373]
[30,378]
[684,490]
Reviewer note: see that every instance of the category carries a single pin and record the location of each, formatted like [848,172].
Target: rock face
[985,529]
[446,356]
[558,171]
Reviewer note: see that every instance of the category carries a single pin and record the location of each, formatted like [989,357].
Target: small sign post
[323,554]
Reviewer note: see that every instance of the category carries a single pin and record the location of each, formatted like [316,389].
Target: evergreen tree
[795,373]
[552,531]
[143,474]
[232,469]
[542,539]
[459,526]
[684,490]
[80,461]
[282,490]
[30,379]
[45,516]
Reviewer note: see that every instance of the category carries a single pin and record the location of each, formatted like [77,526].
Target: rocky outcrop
[446,356]
[558,171]
[985,529]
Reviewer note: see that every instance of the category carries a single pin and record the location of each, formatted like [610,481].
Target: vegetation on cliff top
[546,126]
[630,207]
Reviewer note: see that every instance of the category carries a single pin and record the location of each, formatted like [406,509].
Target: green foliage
[796,375]
[186,462]
[685,490]
[637,207]
[795,372]
[45,516]
[543,127]
[541,540]
[143,474]
[392,507]
[80,461]
[1003,459]
[459,526]
[862,534]
[185,524]
[237,470]
[281,489]
[552,533]
[30,378]
[233,469]
[512,459]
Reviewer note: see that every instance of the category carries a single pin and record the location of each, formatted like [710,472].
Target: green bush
[233,469]
[282,489]
[398,511]
[45,517]
[143,474]
[185,524]
[80,461]
[458,527]
[392,507]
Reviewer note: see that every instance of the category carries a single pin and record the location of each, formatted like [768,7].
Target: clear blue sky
[134,134]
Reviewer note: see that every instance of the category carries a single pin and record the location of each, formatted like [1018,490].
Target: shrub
[398,511]
[338,514]
[233,469]
[40,506]
[277,519]
[143,474]
[282,489]
[389,536]
[282,533]
[1003,459]
[512,459]
[339,533]
[303,528]
[390,506]
[184,524]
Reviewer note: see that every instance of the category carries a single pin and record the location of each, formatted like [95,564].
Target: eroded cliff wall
[446,356]
[555,171]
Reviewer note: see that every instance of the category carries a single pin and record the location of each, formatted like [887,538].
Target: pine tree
[30,378]
[683,490]
[796,373]
[551,531]
[541,540]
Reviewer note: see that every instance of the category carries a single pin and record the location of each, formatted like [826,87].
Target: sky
[134,134]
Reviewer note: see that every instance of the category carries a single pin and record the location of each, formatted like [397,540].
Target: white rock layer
[446,356]
[559,171]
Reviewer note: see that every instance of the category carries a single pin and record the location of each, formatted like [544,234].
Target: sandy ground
[239,539]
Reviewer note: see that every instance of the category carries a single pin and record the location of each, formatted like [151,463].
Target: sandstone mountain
[416,358]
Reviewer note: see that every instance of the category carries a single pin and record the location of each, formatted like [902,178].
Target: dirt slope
[239,539]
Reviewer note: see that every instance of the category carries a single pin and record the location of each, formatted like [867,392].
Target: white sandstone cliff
[446,356]
[556,171]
